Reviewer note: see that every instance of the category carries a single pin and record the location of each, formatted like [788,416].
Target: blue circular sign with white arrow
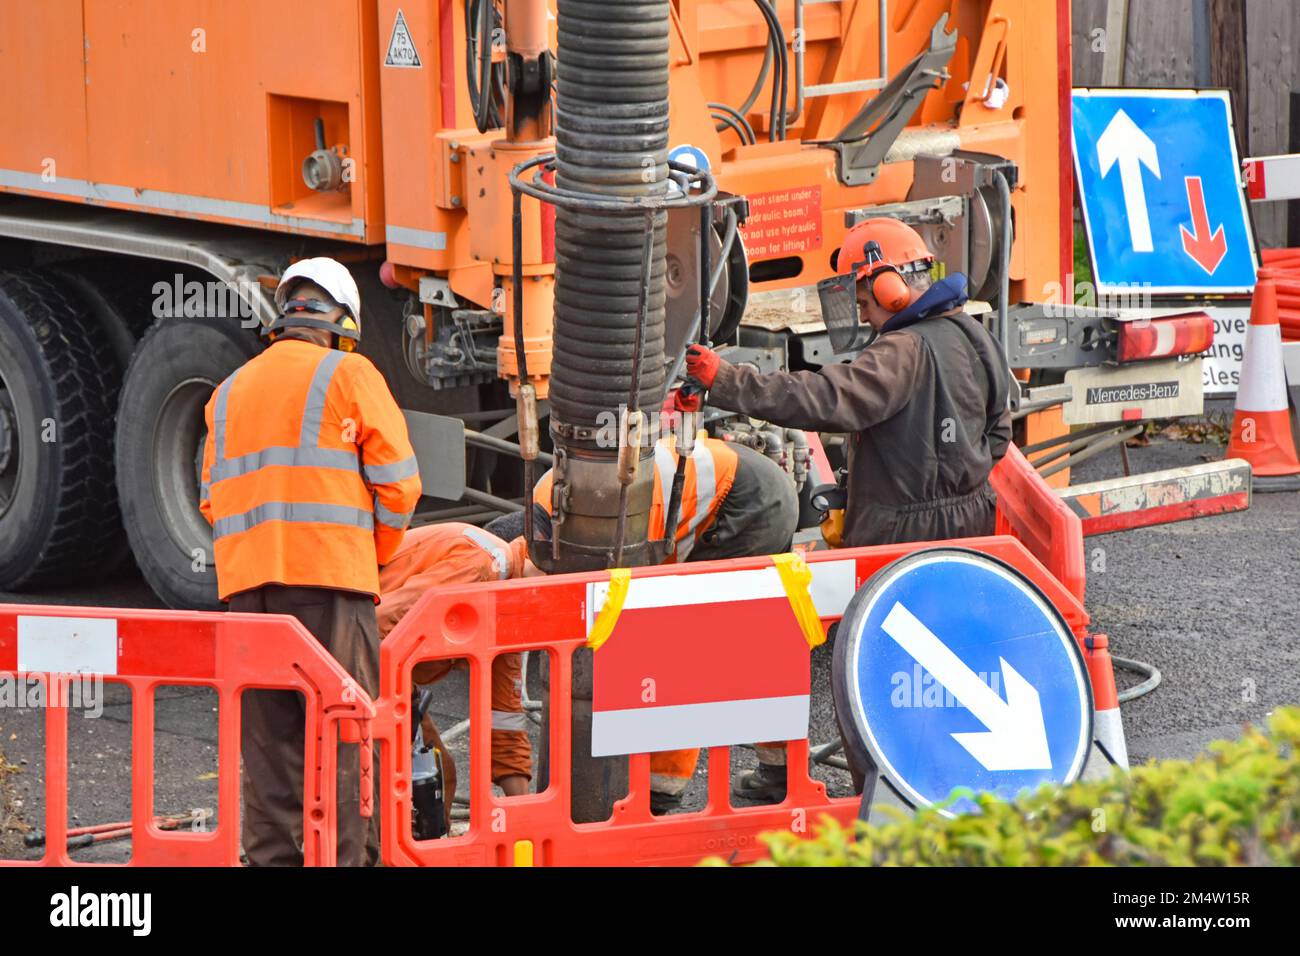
[953,670]
[689,155]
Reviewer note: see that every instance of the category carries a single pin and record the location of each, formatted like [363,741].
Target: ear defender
[885,282]
[346,344]
[890,290]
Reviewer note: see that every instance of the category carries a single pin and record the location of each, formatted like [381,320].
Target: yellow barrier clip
[795,578]
[611,609]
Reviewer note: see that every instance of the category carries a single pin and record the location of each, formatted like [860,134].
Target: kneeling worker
[925,402]
[735,503]
[452,553]
[309,481]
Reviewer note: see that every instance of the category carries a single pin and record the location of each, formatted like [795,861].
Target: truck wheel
[120,302]
[160,436]
[58,389]
[119,298]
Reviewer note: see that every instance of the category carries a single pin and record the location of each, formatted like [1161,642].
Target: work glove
[685,399]
[702,365]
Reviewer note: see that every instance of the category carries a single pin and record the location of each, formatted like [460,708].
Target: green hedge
[1236,805]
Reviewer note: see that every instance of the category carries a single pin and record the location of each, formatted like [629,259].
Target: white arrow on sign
[1124,143]
[1017,736]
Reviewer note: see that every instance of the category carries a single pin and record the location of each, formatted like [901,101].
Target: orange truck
[162,162]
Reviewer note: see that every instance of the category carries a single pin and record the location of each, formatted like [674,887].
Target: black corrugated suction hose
[611,130]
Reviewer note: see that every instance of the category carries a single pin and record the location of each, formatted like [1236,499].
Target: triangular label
[401,48]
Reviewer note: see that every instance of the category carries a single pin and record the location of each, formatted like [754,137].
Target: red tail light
[1187,334]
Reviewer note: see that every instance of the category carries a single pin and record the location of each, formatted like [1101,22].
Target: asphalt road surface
[1212,603]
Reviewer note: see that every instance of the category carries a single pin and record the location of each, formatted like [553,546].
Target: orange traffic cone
[1107,727]
[1261,427]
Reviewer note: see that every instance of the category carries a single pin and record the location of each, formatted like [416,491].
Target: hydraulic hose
[726,116]
[766,68]
[1148,671]
[485,80]
[723,121]
[776,37]
[775,49]
[611,130]
[611,137]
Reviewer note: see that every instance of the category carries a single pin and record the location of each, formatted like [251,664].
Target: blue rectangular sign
[1160,186]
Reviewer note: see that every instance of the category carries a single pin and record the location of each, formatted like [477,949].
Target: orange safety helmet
[880,251]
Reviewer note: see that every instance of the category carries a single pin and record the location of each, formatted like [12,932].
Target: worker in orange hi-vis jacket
[735,503]
[441,554]
[309,482]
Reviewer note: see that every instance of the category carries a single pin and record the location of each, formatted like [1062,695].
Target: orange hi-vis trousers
[512,753]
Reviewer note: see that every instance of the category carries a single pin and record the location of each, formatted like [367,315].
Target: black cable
[737,116]
[1149,671]
[784,59]
[785,72]
[750,100]
[726,122]
[471,58]
[773,123]
[487,117]
[776,37]
[487,83]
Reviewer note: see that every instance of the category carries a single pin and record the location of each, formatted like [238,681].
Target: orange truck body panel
[206,110]
[195,109]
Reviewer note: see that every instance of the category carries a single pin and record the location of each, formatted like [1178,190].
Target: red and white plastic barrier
[146,650]
[1039,536]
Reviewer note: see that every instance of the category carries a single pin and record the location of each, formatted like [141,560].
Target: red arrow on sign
[1206,249]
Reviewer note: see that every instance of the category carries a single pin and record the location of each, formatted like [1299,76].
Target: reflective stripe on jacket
[710,471]
[309,478]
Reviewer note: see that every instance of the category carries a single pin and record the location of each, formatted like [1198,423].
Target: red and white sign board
[1272,177]
[783,222]
[706,660]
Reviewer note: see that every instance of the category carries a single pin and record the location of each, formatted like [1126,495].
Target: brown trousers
[274,724]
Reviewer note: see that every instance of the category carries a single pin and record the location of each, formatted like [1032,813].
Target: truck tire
[120,301]
[58,392]
[160,435]
[118,296]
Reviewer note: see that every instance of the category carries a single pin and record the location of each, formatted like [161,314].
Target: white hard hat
[330,274]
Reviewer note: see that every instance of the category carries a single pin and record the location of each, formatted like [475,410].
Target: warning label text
[783,222]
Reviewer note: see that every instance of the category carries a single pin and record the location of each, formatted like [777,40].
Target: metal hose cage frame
[696,188]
